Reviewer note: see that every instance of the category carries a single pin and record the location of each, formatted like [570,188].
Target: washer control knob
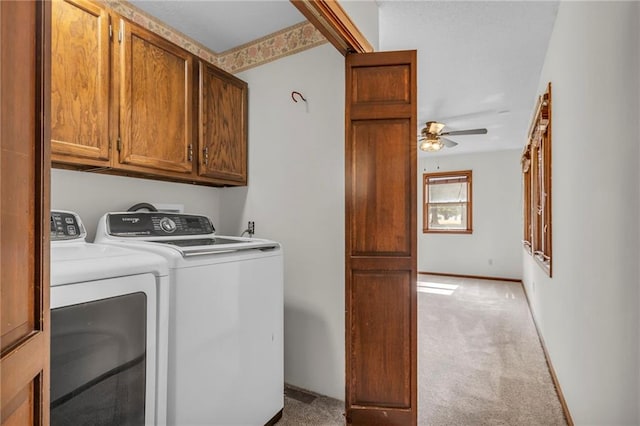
[167,225]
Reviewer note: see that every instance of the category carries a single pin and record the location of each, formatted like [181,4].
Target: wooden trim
[548,181]
[334,23]
[477,277]
[446,231]
[43,204]
[554,377]
[540,191]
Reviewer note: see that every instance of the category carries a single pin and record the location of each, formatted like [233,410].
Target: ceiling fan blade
[465,132]
[448,142]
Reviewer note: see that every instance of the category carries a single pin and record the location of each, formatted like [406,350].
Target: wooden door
[381,233]
[155,78]
[222,125]
[80,83]
[24,212]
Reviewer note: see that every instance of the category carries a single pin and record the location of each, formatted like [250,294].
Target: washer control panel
[157,224]
[66,226]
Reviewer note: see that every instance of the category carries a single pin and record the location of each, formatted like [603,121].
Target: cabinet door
[80,82]
[24,212]
[155,102]
[222,125]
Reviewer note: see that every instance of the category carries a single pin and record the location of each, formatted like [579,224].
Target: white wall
[364,13]
[493,249]
[588,311]
[91,195]
[296,196]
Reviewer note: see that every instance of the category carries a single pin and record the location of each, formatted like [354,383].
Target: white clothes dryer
[226,317]
[109,313]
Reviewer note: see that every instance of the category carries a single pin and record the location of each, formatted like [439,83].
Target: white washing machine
[109,313]
[226,317]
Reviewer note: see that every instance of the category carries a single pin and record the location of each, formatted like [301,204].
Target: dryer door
[102,369]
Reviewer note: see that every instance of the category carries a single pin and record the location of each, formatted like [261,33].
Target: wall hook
[299,94]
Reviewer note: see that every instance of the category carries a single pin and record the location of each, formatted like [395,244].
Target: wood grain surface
[222,125]
[24,212]
[80,82]
[155,101]
[381,239]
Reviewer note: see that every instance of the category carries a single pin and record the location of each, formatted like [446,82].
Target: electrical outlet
[251,227]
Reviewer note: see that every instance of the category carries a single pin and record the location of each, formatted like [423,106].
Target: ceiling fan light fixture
[431,145]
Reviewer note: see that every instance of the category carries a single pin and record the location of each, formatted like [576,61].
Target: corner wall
[493,249]
[588,311]
[92,194]
[296,196]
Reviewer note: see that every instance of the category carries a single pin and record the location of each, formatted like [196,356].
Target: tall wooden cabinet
[124,102]
[80,83]
[381,238]
[222,125]
[24,212]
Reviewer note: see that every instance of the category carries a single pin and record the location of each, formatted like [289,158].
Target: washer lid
[81,261]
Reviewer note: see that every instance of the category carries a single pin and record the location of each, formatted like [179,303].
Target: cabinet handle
[206,155]
[190,154]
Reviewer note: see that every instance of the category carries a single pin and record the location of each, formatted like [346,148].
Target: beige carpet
[479,358]
[480,361]
[303,408]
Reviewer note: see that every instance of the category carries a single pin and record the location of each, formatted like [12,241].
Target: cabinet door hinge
[119,145]
[205,156]
[190,154]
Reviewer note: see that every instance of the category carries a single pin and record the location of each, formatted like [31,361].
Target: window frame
[537,185]
[467,174]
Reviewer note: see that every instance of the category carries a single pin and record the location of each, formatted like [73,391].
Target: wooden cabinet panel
[381,342]
[222,125]
[381,84]
[155,102]
[381,162]
[24,211]
[381,238]
[80,83]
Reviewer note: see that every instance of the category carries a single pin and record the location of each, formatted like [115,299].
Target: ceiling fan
[431,137]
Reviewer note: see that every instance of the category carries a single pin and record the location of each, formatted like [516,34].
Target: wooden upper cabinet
[124,99]
[222,126]
[80,83]
[155,78]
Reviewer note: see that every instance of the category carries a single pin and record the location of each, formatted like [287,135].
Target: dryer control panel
[157,224]
[66,226]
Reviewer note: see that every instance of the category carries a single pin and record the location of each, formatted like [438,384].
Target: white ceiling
[222,25]
[478,61]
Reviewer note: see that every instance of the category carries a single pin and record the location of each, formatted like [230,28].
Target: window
[447,202]
[536,162]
